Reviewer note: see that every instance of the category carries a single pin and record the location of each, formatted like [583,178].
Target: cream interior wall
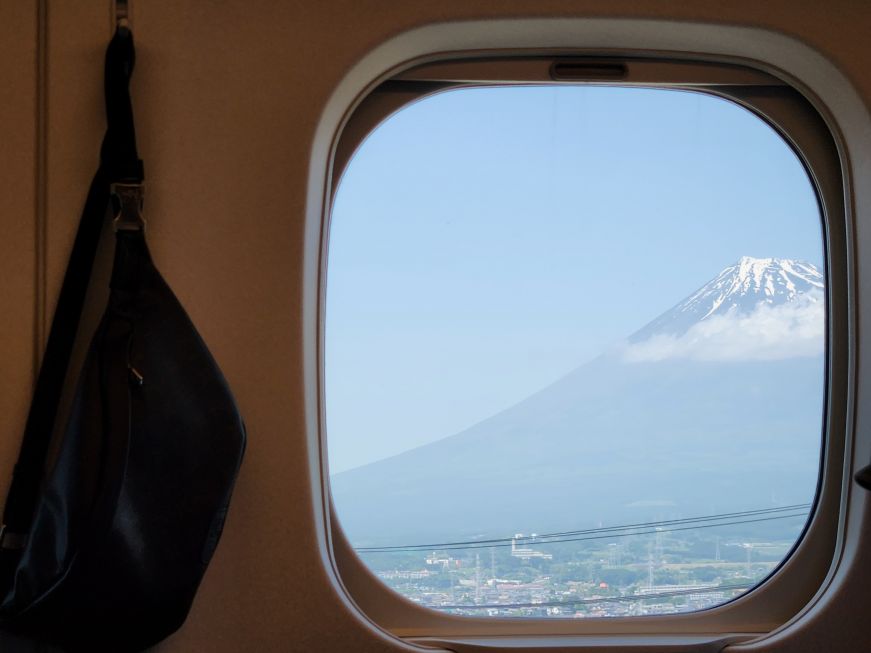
[228,95]
[18,117]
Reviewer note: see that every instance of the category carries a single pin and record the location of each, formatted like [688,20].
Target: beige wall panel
[77,37]
[18,157]
[227,96]
[234,91]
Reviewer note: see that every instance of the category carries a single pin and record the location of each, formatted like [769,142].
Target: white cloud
[791,330]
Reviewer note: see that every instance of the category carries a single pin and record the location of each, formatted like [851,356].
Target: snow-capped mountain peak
[772,277]
[741,288]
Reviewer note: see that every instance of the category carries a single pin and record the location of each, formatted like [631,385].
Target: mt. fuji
[740,288]
[714,406]
[757,309]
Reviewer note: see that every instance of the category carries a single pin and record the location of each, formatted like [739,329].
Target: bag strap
[120,177]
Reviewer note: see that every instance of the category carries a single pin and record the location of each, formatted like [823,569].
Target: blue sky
[484,242]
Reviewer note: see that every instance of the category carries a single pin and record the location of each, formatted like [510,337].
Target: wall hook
[122,13]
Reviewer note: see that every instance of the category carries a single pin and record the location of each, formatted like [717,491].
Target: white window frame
[789,111]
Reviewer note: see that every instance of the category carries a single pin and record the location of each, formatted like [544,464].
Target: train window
[576,348]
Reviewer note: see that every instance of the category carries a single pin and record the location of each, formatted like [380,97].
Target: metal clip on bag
[106,552]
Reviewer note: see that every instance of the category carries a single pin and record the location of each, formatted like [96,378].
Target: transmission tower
[477,578]
[493,565]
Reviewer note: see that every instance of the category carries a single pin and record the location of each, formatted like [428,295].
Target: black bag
[107,553]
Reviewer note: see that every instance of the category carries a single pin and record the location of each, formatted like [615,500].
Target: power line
[626,598]
[643,528]
[537,538]
[596,537]
[667,522]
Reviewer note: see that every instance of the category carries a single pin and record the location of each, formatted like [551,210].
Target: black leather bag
[106,552]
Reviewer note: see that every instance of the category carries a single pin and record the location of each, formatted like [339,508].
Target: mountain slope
[617,440]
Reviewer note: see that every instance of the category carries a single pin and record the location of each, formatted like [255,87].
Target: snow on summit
[757,308]
[740,287]
[772,280]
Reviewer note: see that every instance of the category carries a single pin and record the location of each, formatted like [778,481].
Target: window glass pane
[574,351]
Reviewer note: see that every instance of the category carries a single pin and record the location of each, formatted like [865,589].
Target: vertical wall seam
[41,219]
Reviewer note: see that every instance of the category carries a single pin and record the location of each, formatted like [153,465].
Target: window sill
[589,644]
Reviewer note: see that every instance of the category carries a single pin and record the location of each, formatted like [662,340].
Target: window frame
[787,108]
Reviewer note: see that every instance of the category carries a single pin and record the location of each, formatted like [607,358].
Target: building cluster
[608,581]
